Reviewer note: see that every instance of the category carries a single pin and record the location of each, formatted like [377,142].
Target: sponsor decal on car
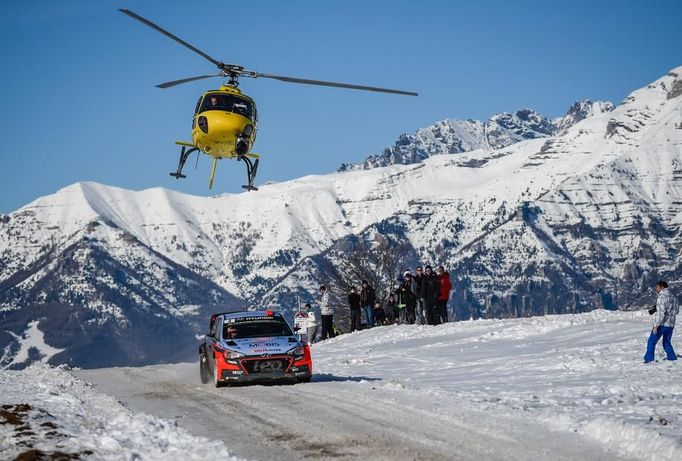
[253,319]
[259,344]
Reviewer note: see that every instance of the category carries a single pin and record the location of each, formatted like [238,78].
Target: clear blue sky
[79,103]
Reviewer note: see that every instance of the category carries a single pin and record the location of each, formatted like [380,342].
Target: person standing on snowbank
[327,314]
[430,290]
[443,294]
[390,310]
[408,297]
[420,314]
[313,323]
[367,298]
[667,308]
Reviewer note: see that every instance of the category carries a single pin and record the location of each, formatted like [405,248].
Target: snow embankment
[46,413]
[574,374]
[581,373]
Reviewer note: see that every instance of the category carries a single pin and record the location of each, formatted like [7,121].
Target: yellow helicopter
[225,120]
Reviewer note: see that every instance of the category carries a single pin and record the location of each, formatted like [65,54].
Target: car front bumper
[261,369]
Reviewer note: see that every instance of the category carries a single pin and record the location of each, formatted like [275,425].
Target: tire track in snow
[335,418]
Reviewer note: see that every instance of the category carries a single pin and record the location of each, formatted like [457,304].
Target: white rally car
[253,347]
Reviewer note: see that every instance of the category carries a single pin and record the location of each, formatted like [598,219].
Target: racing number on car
[267,366]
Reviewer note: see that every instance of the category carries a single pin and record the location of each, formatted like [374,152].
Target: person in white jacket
[313,323]
[665,313]
[327,312]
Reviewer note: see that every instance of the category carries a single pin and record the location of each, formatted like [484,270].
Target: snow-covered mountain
[580,111]
[456,136]
[589,217]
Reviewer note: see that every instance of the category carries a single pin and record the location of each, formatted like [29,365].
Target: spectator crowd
[422,298]
[419,298]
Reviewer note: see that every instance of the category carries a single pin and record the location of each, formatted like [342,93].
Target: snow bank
[581,373]
[574,374]
[48,410]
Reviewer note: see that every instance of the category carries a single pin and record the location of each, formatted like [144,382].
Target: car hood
[260,346]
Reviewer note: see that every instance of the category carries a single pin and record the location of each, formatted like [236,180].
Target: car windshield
[255,328]
[228,103]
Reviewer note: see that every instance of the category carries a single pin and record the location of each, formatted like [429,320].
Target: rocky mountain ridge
[457,136]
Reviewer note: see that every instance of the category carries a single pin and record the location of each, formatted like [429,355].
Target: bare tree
[380,260]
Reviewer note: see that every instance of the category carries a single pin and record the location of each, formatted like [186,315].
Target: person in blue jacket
[666,311]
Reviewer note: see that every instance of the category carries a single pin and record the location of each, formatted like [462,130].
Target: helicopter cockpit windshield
[228,103]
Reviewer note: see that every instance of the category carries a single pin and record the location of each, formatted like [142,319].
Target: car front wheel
[204,372]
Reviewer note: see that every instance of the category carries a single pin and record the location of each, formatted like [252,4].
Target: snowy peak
[581,110]
[675,90]
[456,136]
[506,129]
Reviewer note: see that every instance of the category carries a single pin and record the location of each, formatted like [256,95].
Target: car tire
[204,372]
[216,381]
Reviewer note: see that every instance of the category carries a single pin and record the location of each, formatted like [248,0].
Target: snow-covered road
[554,387]
[336,417]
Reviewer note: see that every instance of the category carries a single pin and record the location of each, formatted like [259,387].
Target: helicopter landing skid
[251,169]
[184,155]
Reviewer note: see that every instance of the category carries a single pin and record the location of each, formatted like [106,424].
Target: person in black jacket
[390,310]
[367,298]
[409,297]
[401,294]
[430,290]
[354,303]
[420,316]
[379,314]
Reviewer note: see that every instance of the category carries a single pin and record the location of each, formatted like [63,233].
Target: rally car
[253,347]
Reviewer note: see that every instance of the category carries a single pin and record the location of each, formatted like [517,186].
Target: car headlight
[228,354]
[297,351]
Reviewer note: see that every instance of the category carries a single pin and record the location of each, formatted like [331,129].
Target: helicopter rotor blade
[185,80]
[333,84]
[171,36]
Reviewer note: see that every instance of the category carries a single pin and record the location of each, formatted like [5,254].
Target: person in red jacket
[443,294]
